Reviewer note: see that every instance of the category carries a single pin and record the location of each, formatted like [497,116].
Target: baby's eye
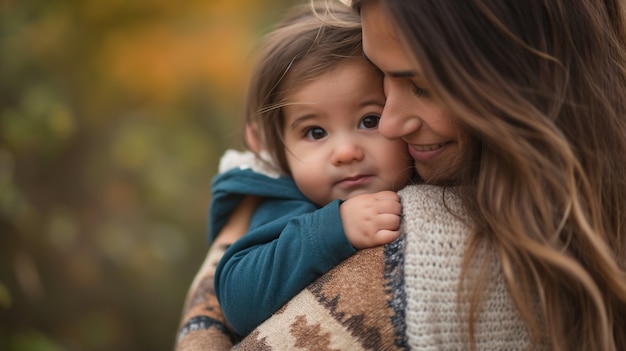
[314,133]
[369,122]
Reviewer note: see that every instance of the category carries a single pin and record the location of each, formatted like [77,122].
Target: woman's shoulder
[434,214]
[436,231]
[420,198]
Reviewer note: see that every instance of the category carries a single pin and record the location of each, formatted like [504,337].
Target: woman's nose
[345,152]
[397,119]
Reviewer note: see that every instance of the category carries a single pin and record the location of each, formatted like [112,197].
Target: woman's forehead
[381,45]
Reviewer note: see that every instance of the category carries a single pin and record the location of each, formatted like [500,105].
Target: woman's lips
[425,153]
[431,147]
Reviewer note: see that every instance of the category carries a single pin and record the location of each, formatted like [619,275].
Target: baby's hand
[371,219]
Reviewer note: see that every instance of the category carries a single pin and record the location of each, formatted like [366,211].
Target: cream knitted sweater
[435,243]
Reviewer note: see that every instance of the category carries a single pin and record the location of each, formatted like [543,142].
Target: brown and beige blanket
[359,305]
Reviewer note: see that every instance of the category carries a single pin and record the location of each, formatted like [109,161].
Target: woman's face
[410,112]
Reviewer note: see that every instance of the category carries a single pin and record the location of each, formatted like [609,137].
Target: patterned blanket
[359,305]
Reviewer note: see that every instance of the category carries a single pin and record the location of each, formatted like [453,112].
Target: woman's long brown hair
[541,88]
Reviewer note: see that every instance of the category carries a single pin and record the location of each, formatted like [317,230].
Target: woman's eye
[369,122]
[315,133]
[420,92]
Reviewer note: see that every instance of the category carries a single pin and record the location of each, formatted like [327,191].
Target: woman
[540,88]
[517,111]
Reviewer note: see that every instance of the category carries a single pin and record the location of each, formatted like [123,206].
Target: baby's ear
[252,138]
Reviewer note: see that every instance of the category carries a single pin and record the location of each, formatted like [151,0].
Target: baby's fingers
[388,221]
[384,236]
[388,202]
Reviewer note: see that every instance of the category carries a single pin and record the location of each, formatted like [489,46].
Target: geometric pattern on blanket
[203,326]
[358,305]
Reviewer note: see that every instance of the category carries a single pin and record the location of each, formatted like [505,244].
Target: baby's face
[333,146]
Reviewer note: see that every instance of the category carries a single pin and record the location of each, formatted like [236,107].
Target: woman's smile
[426,153]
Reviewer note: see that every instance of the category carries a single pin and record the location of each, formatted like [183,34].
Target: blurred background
[113,116]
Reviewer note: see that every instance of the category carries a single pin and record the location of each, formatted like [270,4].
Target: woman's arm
[203,326]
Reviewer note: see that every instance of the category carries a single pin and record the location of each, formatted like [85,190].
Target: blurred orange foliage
[113,115]
[161,61]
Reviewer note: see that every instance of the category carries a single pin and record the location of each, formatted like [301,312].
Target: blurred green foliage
[113,115]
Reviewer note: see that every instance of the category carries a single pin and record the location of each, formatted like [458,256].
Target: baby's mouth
[355,180]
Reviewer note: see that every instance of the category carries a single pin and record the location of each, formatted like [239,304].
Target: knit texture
[433,256]
[361,303]
[357,306]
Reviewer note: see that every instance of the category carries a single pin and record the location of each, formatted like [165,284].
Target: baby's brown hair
[311,41]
